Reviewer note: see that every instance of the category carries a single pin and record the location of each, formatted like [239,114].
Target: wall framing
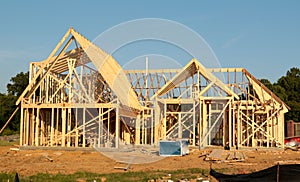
[81,97]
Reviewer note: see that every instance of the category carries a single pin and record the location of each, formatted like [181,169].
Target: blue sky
[261,36]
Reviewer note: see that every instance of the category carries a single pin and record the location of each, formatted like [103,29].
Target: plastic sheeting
[278,173]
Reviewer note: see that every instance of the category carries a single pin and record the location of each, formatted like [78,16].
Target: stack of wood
[126,165]
[225,156]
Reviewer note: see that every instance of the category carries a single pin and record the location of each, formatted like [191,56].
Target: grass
[7,143]
[192,173]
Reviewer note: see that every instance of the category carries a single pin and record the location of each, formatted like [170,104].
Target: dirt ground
[30,162]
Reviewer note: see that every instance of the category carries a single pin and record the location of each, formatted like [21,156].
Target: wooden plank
[111,71]
[30,85]
[215,155]
[126,167]
[9,119]
[48,158]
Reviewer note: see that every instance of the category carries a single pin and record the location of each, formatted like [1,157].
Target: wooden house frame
[81,97]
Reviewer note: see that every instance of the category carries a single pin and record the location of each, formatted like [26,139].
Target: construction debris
[48,158]
[127,164]
[14,149]
[225,156]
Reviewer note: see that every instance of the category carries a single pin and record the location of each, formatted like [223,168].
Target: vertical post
[229,122]
[179,126]
[56,126]
[204,123]
[157,121]
[76,125]
[281,128]
[239,134]
[200,130]
[152,127]
[164,129]
[32,131]
[83,132]
[209,122]
[117,126]
[37,127]
[143,126]
[100,127]
[194,123]
[234,126]
[268,128]
[108,129]
[27,126]
[225,123]
[21,126]
[69,121]
[52,127]
[137,129]
[42,131]
[252,125]
[63,128]
[146,81]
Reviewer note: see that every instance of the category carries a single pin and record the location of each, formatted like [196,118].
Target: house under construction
[81,97]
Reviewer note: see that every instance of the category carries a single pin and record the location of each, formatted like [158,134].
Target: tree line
[15,88]
[287,88]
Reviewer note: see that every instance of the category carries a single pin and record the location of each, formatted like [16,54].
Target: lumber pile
[225,156]
[125,165]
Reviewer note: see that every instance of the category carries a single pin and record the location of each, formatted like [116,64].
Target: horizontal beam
[69,105]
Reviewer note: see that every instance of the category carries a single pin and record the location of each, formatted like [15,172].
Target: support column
[268,128]
[21,126]
[229,123]
[27,126]
[179,126]
[157,123]
[100,127]
[254,144]
[194,124]
[37,127]
[143,127]
[117,127]
[200,124]
[42,128]
[209,123]
[234,125]
[204,124]
[56,126]
[138,130]
[63,128]
[83,129]
[32,125]
[52,127]
[69,121]
[76,125]
[108,130]
[281,128]
[152,128]
[164,125]
[239,134]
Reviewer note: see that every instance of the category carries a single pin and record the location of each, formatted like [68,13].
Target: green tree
[287,89]
[7,101]
[7,106]
[278,90]
[291,85]
[18,85]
